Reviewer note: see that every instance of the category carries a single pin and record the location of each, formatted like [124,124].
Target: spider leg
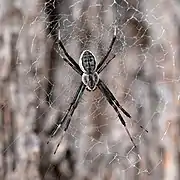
[113,98]
[105,64]
[108,52]
[73,105]
[64,123]
[70,112]
[80,73]
[116,102]
[109,99]
[69,58]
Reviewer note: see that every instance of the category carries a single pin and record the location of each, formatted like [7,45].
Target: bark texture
[36,87]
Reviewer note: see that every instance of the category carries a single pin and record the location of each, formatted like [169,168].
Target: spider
[89,71]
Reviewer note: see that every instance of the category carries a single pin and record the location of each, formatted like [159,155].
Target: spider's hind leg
[111,102]
[64,123]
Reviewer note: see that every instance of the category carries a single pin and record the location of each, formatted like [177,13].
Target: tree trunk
[37,86]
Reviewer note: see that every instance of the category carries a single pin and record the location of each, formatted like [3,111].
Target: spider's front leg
[69,59]
[101,63]
[105,65]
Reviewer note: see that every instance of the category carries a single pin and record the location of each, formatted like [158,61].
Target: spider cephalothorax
[87,63]
[89,71]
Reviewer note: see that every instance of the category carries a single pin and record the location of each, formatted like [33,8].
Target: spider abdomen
[87,62]
[90,80]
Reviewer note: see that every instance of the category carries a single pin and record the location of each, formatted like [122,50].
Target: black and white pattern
[90,80]
[87,62]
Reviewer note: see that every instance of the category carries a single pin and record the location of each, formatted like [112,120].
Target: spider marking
[87,63]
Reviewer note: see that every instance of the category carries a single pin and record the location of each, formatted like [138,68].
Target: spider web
[95,131]
[138,77]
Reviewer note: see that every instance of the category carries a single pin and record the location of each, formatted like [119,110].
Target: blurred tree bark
[36,87]
[22,59]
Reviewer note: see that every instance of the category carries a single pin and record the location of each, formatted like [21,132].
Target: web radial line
[109,99]
[108,52]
